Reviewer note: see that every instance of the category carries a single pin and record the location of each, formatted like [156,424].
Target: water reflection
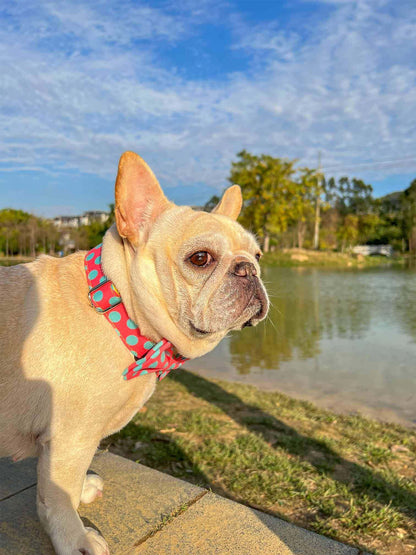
[405,307]
[346,339]
[307,305]
[292,327]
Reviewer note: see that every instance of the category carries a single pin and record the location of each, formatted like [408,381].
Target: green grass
[326,259]
[12,261]
[347,477]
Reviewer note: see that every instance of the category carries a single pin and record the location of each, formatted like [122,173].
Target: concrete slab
[20,530]
[135,502]
[215,526]
[16,476]
[136,515]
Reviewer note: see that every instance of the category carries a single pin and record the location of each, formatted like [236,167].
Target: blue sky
[188,84]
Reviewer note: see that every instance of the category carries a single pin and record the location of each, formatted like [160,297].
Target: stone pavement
[145,512]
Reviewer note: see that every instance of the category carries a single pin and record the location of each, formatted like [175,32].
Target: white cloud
[349,90]
[81,82]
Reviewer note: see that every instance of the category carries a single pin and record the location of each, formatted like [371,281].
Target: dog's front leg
[62,466]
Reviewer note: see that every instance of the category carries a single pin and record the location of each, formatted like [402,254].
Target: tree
[211,204]
[13,231]
[348,232]
[302,204]
[25,234]
[268,188]
[369,226]
[312,188]
[392,228]
[352,196]
[409,215]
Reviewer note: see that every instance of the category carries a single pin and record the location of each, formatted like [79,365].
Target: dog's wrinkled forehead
[201,230]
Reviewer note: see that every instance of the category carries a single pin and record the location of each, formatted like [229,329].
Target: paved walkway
[145,512]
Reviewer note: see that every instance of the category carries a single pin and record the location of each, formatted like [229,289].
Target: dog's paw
[92,488]
[92,544]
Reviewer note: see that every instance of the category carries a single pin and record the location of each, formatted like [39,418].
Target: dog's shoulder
[46,277]
[15,281]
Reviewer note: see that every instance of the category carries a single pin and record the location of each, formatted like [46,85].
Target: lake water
[343,339]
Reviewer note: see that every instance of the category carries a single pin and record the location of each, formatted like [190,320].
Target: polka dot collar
[104,297]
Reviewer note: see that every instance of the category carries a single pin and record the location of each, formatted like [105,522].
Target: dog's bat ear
[231,203]
[139,198]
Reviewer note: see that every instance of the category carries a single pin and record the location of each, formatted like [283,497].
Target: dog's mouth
[252,321]
[198,331]
[254,311]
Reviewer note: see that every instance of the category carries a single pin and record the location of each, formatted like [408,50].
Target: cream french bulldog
[183,275]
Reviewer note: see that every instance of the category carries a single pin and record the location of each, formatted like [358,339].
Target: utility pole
[317,205]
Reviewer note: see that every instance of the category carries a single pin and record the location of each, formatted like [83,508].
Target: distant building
[371,250]
[67,243]
[96,216]
[77,221]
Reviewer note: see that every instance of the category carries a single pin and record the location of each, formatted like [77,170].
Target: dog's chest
[142,389]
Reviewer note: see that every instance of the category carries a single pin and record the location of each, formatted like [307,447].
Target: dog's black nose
[245,269]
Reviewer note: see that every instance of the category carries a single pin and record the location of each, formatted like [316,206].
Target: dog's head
[195,275]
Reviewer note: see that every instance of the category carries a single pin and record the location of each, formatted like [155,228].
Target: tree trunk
[317,222]
[301,233]
[266,242]
[412,240]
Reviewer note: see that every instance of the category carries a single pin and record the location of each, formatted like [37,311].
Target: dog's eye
[201,259]
[258,256]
